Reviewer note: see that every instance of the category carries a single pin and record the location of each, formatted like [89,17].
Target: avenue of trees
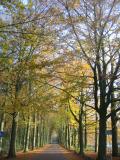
[60,71]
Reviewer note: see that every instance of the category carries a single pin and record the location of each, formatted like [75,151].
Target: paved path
[49,152]
[53,152]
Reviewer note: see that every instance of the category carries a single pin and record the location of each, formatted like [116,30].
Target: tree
[75,86]
[96,40]
[24,46]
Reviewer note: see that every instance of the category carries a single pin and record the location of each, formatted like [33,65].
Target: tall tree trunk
[114,128]
[1,129]
[85,136]
[34,133]
[81,139]
[22,140]
[68,135]
[102,137]
[27,136]
[72,136]
[63,141]
[60,135]
[40,130]
[81,132]
[66,141]
[114,135]
[43,133]
[12,148]
[19,137]
[96,133]
[74,139]
[113,121]
[37,137]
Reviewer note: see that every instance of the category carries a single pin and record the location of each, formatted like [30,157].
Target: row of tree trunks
[30,136]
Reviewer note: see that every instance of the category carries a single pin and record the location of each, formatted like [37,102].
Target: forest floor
[52,152]
[94,156]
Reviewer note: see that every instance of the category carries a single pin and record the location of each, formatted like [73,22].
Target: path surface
[53,152]
[49,152]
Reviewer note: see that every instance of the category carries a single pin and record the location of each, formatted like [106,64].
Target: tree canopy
[60,71]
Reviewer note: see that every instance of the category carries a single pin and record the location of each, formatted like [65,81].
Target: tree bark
[114,134]
[37,137]
[81,152]
[12,148]
[102,137]
[96,134]
[43,133]
[114,128]
[85,134]
[66,141]
[34,133]
[27,136]
[68,135]
[63,135]
[74,139]
[113,120]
